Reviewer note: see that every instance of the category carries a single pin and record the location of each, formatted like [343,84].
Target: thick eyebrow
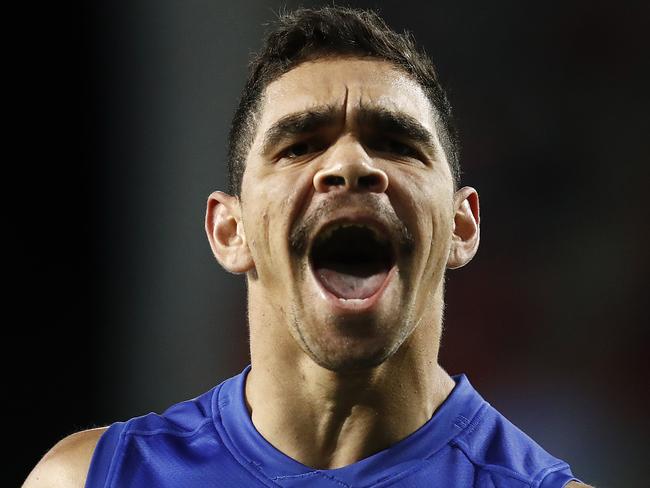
[373,119]
[399,124]
[297,124]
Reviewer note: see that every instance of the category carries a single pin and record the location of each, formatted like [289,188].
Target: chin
[346,363]
[346,347]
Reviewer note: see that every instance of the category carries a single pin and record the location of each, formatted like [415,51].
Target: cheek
[273,201]
[426,199]
[441,213]
[441,222]
[257,223]
[424,202]
[258,219]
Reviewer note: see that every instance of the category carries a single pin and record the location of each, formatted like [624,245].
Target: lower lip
[354,305]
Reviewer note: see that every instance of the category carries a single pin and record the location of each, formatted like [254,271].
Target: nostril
[333,180]
[369,181]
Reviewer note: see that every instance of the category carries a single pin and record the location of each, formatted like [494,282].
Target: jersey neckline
[252,450]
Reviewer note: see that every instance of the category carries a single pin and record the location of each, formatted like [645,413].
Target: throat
[307,426]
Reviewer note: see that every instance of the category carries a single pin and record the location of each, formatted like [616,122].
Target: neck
[325,419]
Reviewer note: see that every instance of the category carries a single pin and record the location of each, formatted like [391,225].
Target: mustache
[302,231]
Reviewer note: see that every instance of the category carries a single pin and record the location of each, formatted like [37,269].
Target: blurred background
[122,309]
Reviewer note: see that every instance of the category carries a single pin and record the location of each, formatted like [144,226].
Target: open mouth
[352,261]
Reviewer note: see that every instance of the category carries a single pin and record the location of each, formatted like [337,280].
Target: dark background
[118,308]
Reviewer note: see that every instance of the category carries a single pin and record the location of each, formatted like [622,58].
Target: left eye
[394,147]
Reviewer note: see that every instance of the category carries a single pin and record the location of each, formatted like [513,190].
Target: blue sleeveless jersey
[211,442]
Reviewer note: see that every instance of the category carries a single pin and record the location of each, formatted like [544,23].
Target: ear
[225,230]
[466,233]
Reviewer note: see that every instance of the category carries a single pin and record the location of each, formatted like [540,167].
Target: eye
[396,147]
[301,149]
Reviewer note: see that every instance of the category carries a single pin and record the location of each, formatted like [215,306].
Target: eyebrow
[378,120]
[399,124]
[297,124]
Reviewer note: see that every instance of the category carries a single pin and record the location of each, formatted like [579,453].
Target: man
[344,213]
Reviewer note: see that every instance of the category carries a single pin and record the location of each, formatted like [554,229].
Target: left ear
[466,232]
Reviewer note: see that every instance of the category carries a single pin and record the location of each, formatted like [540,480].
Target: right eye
[302,148]
[297,150]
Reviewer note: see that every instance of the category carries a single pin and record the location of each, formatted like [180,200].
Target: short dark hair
[308,34]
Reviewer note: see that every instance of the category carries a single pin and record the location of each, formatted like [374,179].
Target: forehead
[346,83]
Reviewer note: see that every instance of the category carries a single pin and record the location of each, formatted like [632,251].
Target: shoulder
[500,449]
[66,464]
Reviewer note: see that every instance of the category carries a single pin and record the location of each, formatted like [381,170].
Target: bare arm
[66,464]
[575,484]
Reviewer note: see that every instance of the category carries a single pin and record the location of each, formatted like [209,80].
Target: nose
[349,167]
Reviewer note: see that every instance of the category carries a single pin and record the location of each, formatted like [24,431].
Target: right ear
[225,230]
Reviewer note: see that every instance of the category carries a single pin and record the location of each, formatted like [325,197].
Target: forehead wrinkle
[345,104]
[382,113]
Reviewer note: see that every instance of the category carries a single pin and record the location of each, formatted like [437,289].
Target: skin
[328,408]
[329,387]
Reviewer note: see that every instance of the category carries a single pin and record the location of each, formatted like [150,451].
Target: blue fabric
[210,441]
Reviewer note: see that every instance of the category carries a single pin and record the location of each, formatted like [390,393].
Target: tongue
[351,281]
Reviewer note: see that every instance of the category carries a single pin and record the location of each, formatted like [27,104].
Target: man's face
[347,208]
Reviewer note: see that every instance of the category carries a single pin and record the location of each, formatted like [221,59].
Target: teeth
[352,301]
